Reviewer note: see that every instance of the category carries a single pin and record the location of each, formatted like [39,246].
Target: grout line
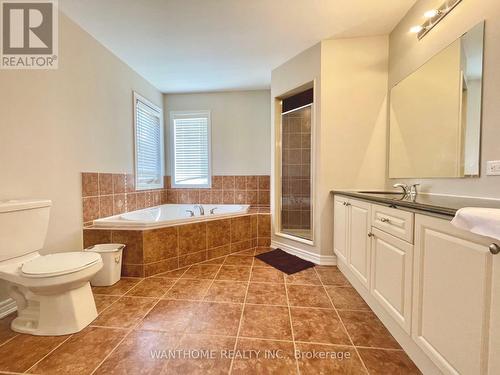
[341,322]
[49,353]
[291,327]
[125,336]
[241,316]
[10,339]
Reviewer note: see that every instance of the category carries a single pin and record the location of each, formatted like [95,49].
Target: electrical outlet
[493,168]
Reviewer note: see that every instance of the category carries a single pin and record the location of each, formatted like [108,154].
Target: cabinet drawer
[399,223]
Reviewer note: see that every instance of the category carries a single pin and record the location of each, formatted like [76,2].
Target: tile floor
[230,315]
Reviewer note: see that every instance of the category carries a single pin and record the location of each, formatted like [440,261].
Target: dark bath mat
[284,262]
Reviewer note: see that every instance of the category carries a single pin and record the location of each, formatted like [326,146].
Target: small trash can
[111,254]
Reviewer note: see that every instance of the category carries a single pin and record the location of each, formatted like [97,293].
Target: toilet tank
[23,226]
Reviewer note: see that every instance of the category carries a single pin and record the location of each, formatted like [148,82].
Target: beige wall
[299,71]
[407,54]
[349,122]
[353,121]
[240,129]
[56,124]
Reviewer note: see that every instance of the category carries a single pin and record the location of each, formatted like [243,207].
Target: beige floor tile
[384,362]
[216,363]
[172,316]
[305,277]
[133,355]
[82,353]
[23,351]
[125,313]
[201,271]
[346,298]
[192,289]
[308,296]
[267,275]
[103,301]
[366,329]
[227,291]
[213,318]
[266,322]
[264,356]
[238,260]
[318,325]
[234,273]
[151,287]
[266,294]
[335,360]
[331,275]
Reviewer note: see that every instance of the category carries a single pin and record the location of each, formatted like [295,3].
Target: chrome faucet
[408,190]
[200,207]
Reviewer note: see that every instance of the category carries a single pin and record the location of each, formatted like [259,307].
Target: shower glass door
[296,208]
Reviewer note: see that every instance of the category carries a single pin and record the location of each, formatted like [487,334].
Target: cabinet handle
[344,203]
[371,235]
[494,249]
[347,204]
[385,220]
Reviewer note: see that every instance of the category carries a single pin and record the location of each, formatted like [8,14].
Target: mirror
[435,114]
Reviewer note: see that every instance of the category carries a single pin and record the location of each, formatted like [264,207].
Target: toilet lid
[59,264]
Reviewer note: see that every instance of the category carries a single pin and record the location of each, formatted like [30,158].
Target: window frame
[173,115]
[150,186]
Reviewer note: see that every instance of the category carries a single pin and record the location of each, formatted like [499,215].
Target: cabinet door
[391,275]
[358,240]
[452,296]
[340,228]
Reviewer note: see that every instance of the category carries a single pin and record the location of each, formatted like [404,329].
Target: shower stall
[296,147]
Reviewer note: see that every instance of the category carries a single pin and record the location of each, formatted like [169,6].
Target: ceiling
[218,45]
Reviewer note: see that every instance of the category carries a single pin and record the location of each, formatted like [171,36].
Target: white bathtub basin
[169,214]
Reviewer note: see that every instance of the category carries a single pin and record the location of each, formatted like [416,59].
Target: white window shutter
[148,145]
[191,149]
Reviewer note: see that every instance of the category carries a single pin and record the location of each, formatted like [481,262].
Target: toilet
[52,292]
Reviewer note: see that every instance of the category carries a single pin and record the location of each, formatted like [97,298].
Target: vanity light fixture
[434,16]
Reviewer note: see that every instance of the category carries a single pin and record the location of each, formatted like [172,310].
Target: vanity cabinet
[391,277]
[352,223]
[436,284]
[452,296]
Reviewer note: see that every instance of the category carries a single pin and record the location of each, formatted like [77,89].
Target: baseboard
[323,260]
[7,307]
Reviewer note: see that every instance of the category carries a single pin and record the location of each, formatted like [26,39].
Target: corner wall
[57,124]
[349,127]
[407,53]
[240,129]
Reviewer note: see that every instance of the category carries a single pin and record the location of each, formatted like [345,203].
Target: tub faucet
[200,207]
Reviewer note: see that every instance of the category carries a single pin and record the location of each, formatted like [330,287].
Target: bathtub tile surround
[150,252]
[107,194]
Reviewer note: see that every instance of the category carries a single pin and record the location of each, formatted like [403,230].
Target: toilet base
[56,314]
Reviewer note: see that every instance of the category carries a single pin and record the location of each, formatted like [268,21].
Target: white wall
[407,54]
[56,124]
[240,129]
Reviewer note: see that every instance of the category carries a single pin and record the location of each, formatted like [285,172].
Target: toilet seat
[59,264]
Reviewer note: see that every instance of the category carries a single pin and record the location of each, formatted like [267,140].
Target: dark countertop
[436,204]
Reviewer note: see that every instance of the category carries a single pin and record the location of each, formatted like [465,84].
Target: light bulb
[416,29]
[431,13]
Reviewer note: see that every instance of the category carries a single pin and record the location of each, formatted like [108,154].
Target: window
[148,130]
[190,149]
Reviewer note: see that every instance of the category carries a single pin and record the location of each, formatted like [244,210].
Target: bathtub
[170,214]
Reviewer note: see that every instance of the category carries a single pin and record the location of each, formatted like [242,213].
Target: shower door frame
[279,175]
